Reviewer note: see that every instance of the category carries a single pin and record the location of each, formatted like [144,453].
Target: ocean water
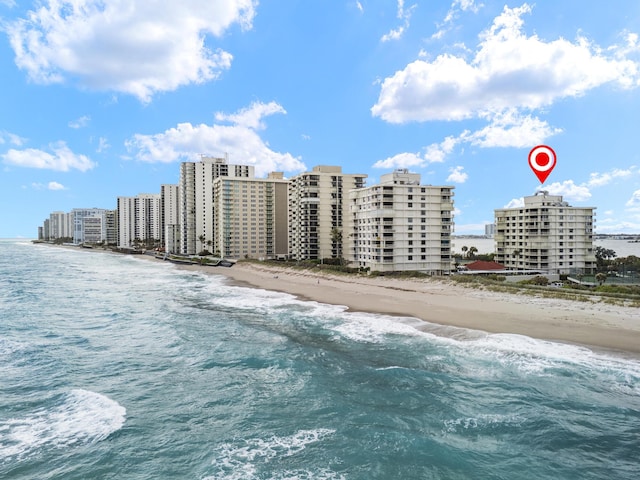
[113,367]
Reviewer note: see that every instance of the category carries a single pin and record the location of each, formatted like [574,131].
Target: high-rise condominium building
[89,225]
[251,217]
[319,219]
[60,225]
[139,220]
[197,199]
[170,217]
[400,225]
[545,234]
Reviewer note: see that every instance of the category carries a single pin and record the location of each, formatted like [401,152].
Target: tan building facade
[546,234]
[251,217]
[197,199]
[400,225]
[319,216]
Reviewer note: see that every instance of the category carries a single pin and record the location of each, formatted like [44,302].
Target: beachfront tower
[251,217]
[139,220]
[401,225]
[170,217]
[319,220]
[545,234]
[197,199]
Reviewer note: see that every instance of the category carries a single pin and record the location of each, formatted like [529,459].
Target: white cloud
[569,190]
[634,201]
[515,203]
[434,153]
[55,186]
[510,129]
[8,3]
[60,159]
[359,6]
[457,175]
[80,122]
[509,70]
[404,15]
[601,179]
[6,137]
[401,160]
[186,142]
[103,145]
[129,46]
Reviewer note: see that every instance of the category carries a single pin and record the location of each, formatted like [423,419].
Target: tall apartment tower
[545,234]
[197,198]
[89,225]
[400,225]
[251,217]
[139,219]
[170,217]
[319,219]
[59,225]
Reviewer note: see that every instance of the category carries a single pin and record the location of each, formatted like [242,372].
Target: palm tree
[202,239]
[210,244]
[464,250]
[472,252]
[601,278]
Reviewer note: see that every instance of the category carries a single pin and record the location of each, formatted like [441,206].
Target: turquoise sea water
[112,367]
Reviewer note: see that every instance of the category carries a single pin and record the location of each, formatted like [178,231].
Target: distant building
[89,225]
[400,225]
[197,198]
[251,217]
[319,216]
[489,230]
[170,218]
[545,234]
[139,220]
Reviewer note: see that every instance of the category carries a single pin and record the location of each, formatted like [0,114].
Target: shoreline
[445,305]
[611,328]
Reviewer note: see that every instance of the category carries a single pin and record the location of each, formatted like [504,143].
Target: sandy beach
[598,325]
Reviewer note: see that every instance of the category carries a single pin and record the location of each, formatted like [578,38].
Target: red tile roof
[484,265]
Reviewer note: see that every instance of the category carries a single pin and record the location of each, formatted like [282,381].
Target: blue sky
[105,98]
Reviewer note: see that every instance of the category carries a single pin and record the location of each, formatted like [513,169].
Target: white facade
[139,220]
[251,217]
[319,217]
[170,217]
[60,226]
[545,234]
[89,225]
[197,198]
[400,225]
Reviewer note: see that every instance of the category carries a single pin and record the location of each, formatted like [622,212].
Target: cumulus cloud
[569,190]
[60,158]
[55,186]
[80,122]
[457,175]
[515,203]
[511,129]
[128,46]
[13,139]
[601,179]
[240,140]
[434,153]
[509,70]
[634,201]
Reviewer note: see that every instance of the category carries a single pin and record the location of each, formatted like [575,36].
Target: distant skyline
[102,99]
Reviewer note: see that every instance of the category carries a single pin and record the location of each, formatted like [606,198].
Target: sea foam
[81,417]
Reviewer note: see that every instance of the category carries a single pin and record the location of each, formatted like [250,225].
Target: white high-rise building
[60,224]
[319,219]
[251,217]
[546,234]
[197,198]
[170,217]
[89,225]
[400,225]
[139,220]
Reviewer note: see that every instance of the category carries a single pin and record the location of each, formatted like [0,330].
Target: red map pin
[542,160]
